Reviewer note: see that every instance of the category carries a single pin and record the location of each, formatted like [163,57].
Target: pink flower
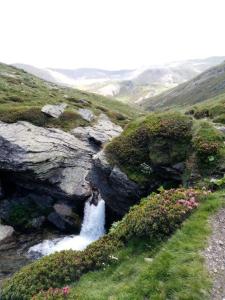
[66,290]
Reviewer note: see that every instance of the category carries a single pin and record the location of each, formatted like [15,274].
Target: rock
[37,222]
[65,223]
[221,128]
[119,192]
[47,159]
[83,101]
[54,111]
[5,232]
[148,259]
[63,209]
[100,133]
[27,212]
[1,191]
[86,114]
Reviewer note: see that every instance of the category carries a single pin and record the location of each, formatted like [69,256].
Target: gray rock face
[54,111]
[100,133]
[115,187]
[46,155]
[65,166]
[5,232]
[86,114]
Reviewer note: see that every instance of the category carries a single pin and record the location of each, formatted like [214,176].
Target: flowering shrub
[155,217]
[53,294]
[158,215]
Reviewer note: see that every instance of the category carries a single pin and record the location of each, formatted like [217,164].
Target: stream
[21,249]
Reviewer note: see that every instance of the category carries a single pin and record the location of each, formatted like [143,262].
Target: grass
[176,272]
[22,96]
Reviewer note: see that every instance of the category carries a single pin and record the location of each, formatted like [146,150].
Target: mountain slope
[209,84]
[22,95]
[127,85]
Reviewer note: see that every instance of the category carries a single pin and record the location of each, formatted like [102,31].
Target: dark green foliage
[160,214]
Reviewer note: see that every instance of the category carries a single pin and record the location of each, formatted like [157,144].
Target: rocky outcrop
[100,133]
[51,168]
[119,192]
[48,158]
[54,111]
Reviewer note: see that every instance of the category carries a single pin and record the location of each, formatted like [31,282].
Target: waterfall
[93,227]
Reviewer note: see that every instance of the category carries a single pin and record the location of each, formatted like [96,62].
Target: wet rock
[65,223]
[5,232]
[86,114]
[37,222]
[54,111]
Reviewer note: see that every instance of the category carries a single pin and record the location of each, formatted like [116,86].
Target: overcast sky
[111,34]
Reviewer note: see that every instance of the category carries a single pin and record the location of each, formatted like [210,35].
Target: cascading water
[93,227]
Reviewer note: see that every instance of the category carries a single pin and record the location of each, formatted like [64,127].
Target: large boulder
[49,156]
[54,111]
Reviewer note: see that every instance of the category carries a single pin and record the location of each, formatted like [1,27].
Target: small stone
[86,114]
[148,259]
[5,232]
[54,111]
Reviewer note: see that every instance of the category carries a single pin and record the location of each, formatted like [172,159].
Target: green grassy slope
[209,84]
[22,95]
[176,271]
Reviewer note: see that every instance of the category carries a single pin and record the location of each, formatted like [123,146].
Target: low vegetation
[155,219]
[150,142]
[172,269]
[161,141]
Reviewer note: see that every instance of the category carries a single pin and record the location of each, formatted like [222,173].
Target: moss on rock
[157,140]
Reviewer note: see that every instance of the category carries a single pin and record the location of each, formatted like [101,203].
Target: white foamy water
[93,227]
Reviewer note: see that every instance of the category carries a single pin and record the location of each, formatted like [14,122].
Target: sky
[109,34]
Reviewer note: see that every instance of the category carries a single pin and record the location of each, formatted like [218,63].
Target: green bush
[157,140]
[156,217]
[208,144]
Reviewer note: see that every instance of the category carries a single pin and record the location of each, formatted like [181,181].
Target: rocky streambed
[13,251]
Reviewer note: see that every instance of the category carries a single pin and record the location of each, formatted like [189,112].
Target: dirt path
[215,255]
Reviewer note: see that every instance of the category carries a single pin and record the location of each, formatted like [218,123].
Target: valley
[106,195]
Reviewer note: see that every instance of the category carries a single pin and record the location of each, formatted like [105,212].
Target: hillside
[22,95]
[209,84]
[127,85]
[115,213]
